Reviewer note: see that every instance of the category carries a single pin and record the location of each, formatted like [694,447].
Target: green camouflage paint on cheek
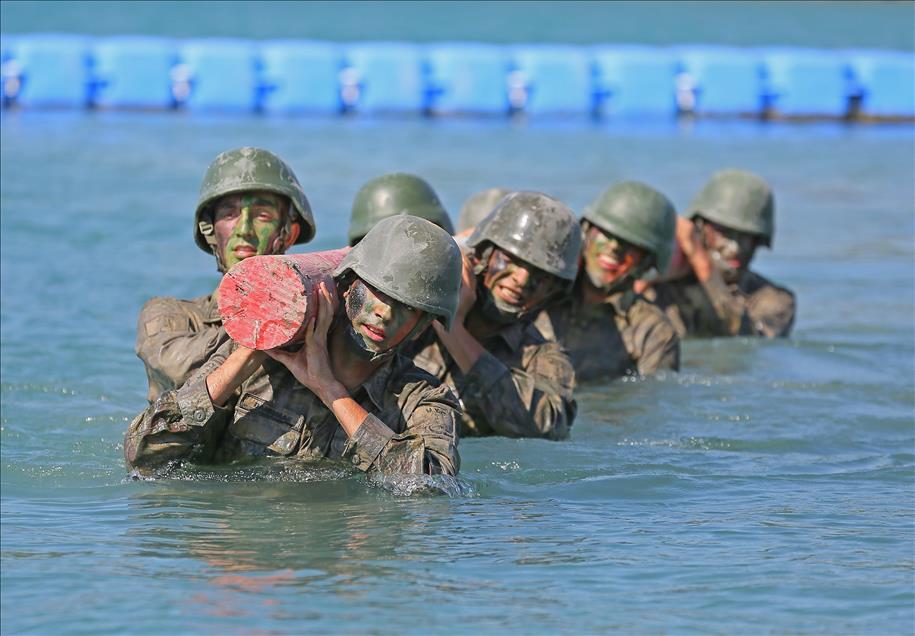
[258,225]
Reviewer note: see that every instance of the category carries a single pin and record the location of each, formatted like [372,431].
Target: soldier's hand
[311,364]
[689,253]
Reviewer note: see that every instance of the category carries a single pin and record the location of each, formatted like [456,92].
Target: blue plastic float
[217,75]
[133,72]
[467,78]
[384,77]
[301,77]
[454,78]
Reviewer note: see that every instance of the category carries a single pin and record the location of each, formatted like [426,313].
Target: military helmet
[638,214]
[536,228]
[246,169]
[391,194]
[411,260]
[739,200]
[477,206]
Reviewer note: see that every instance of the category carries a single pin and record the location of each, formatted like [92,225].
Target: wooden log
[266,301]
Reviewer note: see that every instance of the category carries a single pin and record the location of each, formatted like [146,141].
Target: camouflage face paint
[377,322]
[248,224]
[730,250]
[517,287]
[608,259]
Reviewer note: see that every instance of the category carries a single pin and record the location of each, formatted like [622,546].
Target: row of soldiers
[427,335]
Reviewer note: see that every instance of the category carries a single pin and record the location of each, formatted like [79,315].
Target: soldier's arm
[534,401]
[181,423]
[428,444]
[169,345]
[657,343]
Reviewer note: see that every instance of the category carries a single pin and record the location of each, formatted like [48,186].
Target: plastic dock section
[454,78]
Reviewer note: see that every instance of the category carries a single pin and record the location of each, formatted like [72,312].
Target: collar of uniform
[514,334]
[377,384]
[619,301]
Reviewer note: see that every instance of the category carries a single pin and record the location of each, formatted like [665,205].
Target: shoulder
[411,383]
[169,305]
[754,283]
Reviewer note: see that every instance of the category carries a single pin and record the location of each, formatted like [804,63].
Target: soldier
[711,290]
[477,206]
[348,393]
[609,329]
[391,194]
[250,203]
[510,379]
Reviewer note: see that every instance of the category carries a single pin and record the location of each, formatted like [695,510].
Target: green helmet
[537,229]
[638,214]
[739,200]
[391,194]
[478,206]
[412,261]
[245,169]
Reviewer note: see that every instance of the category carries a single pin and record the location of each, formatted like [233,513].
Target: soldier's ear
[294,230]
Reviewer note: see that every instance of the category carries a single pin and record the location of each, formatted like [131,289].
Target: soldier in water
[348,393]
[610,330]
[510,379]
[710,290]
[250,203]
[392,194]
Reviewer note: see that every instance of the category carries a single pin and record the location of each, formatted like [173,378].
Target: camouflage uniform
[175,337]
[752,307]
[522,384]
[411,426]
[624,335]
[521,387]
[412,420]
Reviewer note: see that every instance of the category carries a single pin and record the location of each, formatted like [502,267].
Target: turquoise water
[816,24]
[765,489]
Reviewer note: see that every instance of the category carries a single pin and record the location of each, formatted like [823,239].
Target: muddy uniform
[175,337]
[411,426]
[624,335]
[520,387]
[752,307]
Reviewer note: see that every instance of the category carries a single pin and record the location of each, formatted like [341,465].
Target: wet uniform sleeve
[428,445]
[659,345]
[771,311]
[535,401]
[171,346]
[764,310]
[181,423]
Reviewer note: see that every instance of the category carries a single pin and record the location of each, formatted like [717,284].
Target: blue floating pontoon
[555,79]
[48,70]
[383,77]
[806,82]
[301,77]
[635,81]
[468,78]
[719,80]
[133,72]
[217,75]
[886,82]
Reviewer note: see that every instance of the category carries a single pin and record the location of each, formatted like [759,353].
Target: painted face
[248,224]
[378,323]
[607,259]
[517,287]
[730,250]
